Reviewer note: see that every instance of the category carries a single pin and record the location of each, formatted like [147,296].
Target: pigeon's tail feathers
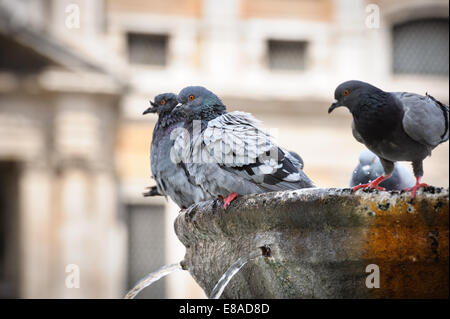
[445,114]
[286,172]
[152,191]
[296,159]
[274,172]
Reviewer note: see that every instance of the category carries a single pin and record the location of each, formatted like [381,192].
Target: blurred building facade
[75,77]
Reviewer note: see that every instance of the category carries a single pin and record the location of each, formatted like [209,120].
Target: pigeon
[228,154]
[370,168]
[396,126]
[171,179]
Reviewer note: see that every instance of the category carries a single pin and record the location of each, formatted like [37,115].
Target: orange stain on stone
[409,243]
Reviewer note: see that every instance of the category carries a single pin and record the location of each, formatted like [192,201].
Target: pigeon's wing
[425,119]
[236,143]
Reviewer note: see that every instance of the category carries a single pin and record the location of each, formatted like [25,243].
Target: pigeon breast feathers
[425,119]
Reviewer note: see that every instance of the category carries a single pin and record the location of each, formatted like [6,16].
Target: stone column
[37,246]
[89,234]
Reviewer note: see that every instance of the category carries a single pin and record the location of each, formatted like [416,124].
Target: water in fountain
[234,268]
[151,278]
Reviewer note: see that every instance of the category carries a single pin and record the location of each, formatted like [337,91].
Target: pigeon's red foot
[416,187]
[372,184]
[227,201]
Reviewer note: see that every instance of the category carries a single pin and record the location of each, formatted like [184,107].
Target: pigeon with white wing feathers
[228,154]
[396,126]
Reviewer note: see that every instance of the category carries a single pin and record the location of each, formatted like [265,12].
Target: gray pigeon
[228,154]
[171,179]
[396,126]
[369,168]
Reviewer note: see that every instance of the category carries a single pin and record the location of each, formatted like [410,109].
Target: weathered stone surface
[321,242]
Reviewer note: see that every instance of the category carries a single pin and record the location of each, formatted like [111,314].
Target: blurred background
[75,77]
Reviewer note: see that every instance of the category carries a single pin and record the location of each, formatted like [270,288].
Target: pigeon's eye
[346,92]
[162,102]
[191,97]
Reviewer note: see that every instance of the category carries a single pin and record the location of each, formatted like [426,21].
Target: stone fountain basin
[321,242]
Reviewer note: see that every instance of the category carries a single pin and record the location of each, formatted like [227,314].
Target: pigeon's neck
[212,114]
[167,121]
[208,113]
[169,118]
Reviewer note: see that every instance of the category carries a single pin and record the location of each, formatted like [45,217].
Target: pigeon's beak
[152,109]
[333,106]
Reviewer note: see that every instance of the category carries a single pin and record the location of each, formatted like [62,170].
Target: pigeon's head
[165,102]
[197,100]
[366,157]
[348,94]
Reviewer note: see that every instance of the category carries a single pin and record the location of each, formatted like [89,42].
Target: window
[421,47]
[286,55]
[150,49]
[146,247]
